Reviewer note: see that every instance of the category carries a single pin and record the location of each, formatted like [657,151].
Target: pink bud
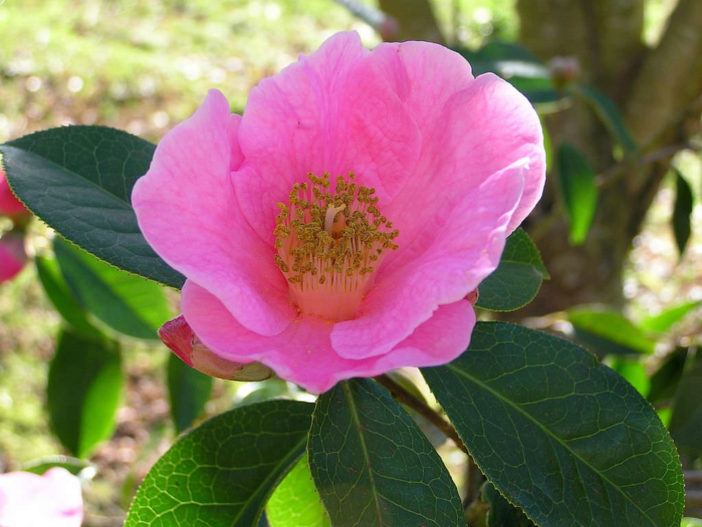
[179,337]
[9,204]
[472,297]
[12,255]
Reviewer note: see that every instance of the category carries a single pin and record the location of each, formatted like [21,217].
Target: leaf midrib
[546,431]
[73,173]
[357,421]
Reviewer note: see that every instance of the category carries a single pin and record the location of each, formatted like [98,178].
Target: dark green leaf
[686,421]
[221,473]
[502,513]
[125,302]
[664,382]
[608,113]
[565,438]
[78,179]
[84,389]
[295,502]
[682,211]
[188,392]
[577,185]
[61,296]
[371,464]
[664,320]
[517,279]
[609,333]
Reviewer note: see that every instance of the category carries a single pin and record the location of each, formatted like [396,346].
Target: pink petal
[30,500]
[303,353]
[447,260]
[329,112]
[188,212]
[424,76]
[12,255]
[483,129]
[9,204]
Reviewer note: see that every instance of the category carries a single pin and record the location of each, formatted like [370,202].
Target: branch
[670,76]
[423,409]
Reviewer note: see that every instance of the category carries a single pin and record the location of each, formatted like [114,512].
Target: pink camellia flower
[335,229]
[30,500]
[9,205]
[12,255]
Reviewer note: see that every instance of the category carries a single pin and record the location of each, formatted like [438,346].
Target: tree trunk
[656,90]
[415,20]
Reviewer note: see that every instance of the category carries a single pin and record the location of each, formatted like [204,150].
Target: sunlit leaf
[562,436]
[61,297]
[84,389]
[221,473]
[608,333]
[126,302]
[295,501]
[576,180]
[664,320]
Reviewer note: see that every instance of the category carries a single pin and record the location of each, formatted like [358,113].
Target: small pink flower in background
[335,229]
[12,255]
[9,205]
[30,500]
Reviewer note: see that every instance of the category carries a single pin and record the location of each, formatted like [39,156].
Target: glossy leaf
[371,464]
[609,333]
[682,211]
[517,279]
[633,370]
[78,179]
[665,320]
[562,436]
[576,180]
[125,302]
[607,111]
[188,392]
[686,420]
[222,472]
[84,389]
[61,297]
[295,501]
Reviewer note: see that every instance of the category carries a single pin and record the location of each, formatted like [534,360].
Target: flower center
[329,244]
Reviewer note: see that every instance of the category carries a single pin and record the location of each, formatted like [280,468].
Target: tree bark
[656,89]
[415,19]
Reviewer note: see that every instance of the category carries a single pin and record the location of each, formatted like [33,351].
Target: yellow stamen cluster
[331,240]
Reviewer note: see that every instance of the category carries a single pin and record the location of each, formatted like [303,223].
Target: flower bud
[180,338]
[12,255]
